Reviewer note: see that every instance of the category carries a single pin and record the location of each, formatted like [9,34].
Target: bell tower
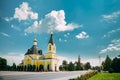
[51,44]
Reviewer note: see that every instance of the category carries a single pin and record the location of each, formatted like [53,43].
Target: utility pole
[100,62]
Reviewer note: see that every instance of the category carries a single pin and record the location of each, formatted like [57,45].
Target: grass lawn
[106,76]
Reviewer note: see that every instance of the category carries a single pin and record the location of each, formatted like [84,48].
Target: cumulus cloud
[82,35]
[13,57]
[24,12]
[111,17]
[113,46]
[111,32]
[5,34]
[53,21]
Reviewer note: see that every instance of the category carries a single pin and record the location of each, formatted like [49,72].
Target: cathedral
[35,56]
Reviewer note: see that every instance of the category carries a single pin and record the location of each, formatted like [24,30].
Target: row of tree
[25,68]
[74,66]
[14,67]
[111,65]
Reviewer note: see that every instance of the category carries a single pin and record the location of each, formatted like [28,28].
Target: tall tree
[71,66]
[64,62]
[116,64]
[14,67]
[78,66]
[3,63]
[107,63]
[65,65]
[87,66]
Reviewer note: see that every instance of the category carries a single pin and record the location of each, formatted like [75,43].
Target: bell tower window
[50,47]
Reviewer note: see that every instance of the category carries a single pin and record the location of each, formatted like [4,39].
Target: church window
[50,47]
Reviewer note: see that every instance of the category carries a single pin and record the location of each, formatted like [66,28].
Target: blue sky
[82,27]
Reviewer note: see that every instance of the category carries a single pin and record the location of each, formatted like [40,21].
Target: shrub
[86,76]
[111,70]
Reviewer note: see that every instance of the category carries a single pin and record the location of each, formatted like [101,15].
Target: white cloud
[5,34]
[65,40]
[53,21]
[113,46]
[24,12]
[111,32]
[13,57]
[15,27]
[82,35]
[93,61]
[8,19]
[61,58]
[67,35]
[111,17]
[60,39]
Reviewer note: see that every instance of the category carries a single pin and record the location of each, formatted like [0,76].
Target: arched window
[50,47]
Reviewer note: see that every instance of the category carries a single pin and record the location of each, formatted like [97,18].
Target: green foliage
[116,64]
[3,64]
[78,66]
[106,76]
[71,66]
[111,65]
[14,67]
[86,76]
[87,66]
[64,62]
[64,66]
[41,68]
[111,70]
[107,64]
[33,68]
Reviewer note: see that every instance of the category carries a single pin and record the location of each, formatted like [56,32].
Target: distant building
[35,56]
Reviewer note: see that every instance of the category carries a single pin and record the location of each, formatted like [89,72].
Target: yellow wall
[50,55]
[51,48]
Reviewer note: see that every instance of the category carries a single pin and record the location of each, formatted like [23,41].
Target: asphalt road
[6,75]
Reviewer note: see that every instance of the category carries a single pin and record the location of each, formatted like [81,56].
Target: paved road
[6,75]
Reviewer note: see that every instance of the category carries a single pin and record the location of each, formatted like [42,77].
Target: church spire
[51,38]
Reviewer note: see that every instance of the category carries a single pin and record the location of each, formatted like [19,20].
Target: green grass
[106,76]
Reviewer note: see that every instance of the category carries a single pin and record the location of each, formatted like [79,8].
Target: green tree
[71,66]
[14,67]
[60,68]
[78,66]
[33,68]
[116,64]
[41,68]
[65,65]
[107,63]
[87,66]
[24,68]
[64,62]
[3,64]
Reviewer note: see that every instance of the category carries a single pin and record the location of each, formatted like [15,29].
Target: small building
[35,56]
